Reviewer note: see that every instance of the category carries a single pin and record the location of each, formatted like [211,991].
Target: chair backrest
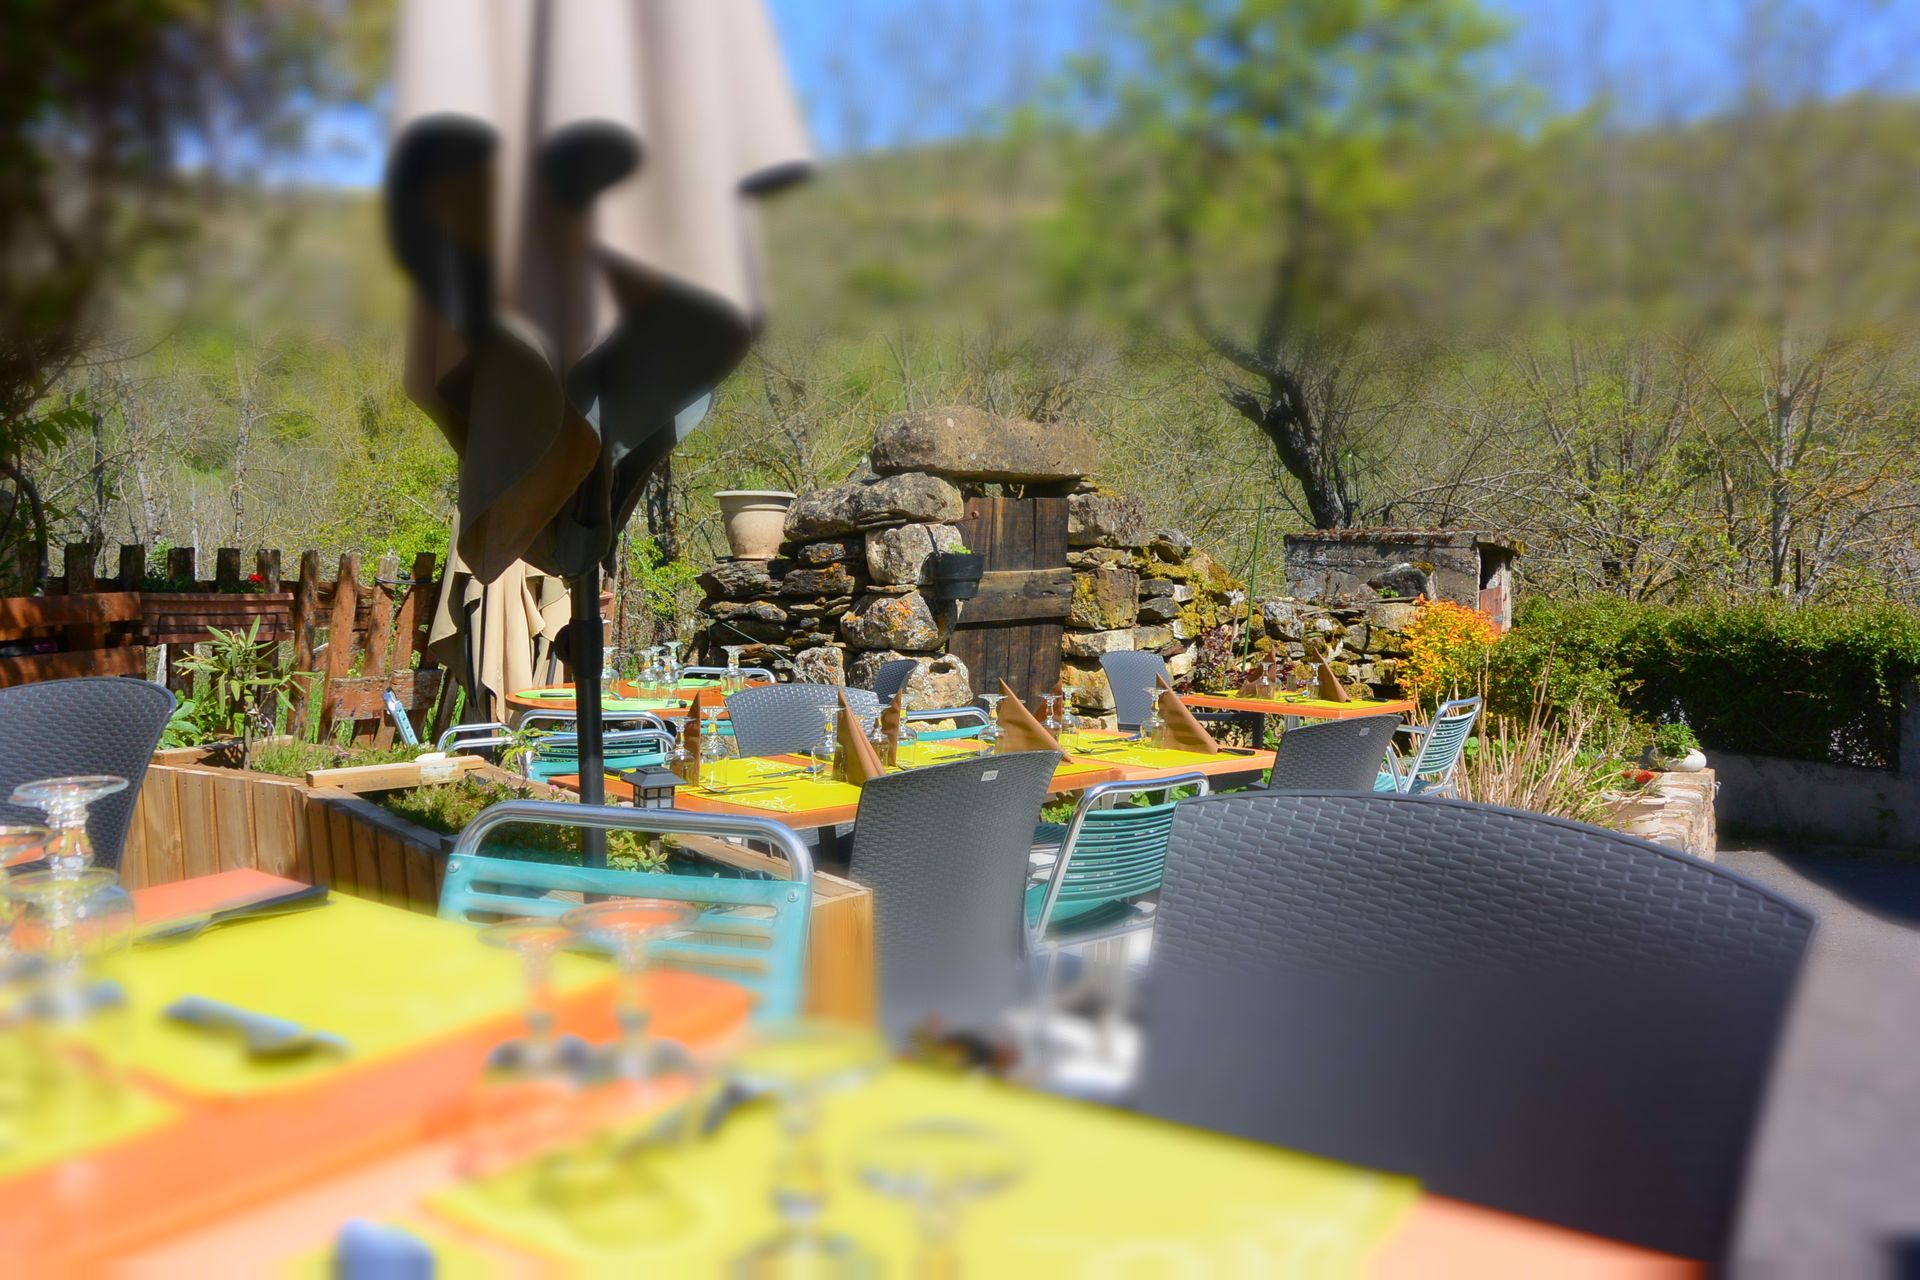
[1113,851]
[1444,741]
[968,722]
[944,850]
[1334,755]
[732,939]
[91,724]
[402,722]
[892,677]
[1131,674]
[773,719]
[559,754]
[1529,1013]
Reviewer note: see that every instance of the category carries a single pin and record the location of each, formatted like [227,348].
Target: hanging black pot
[955,575]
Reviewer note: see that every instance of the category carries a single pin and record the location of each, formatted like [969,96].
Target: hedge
[1810,683]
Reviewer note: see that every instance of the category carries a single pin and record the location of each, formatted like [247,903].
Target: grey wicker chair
[944,850]
[1131,674]
[772,719]
[1541,1016]
[93,724]
[1337,755]
[892,677]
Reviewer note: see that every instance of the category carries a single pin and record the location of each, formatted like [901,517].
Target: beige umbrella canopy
[570,190]
[500,636]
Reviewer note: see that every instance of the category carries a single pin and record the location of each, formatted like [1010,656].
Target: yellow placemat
[916,755]
[383,978]
[764,783]
[61,1131]
[1102,1194]
[1280,705]
[1119,751]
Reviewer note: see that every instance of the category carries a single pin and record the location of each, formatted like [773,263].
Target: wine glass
[1152,725]
[938,1166]
[540,1052]
[828,747]
[734,680]
[990,732]
[625,928]
[71,921]
[19,842]
[1069,723]
[800,1063]
[65,801]
[673,671]
[713,747]
[1052,722]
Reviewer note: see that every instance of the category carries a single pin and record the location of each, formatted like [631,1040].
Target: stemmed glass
[1069,723]
[938,1166]
[713,747]
[625,928]
[650,672]
[72,920]
[671,675]
[1151,725]
[1052,723]
[828,747]
[990,732]
[540,1052]
[21,842]
[800,1064]
[734,680]
[65,801]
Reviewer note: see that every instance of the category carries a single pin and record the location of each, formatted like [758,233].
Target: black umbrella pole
[586,694]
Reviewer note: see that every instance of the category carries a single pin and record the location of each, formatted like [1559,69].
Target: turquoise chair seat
[555,766]
[753,932]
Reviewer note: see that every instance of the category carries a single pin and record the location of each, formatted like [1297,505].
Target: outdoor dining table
[621,695]
[781,788]
[1136,761]
[253,1170]
[1295,707]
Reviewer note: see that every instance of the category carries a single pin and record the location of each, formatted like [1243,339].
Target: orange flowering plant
[1448,646]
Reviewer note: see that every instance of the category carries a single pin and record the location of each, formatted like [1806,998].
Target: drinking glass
[800,1063]
[65,801]
[673,669]
[713,747]
[609,1190]
[70,922]
[19,842]
[990,732]
[734,680]
[1069,723]
[1151,725]
[625,928]
[937,1166]
[1052,722]
[540,1052]
[828,747]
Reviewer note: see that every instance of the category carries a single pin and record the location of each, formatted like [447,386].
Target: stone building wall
[845,595]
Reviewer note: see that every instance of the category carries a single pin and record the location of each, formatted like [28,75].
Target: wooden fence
[362,634]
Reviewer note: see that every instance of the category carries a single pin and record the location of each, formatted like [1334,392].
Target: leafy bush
[447,807]
[1673,740]
[1808,683]
[1448,647]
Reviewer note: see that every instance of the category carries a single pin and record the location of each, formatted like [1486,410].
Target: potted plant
[1676,749]
[755,519]
[955,572]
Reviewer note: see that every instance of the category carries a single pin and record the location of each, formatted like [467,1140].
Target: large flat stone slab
[962,443]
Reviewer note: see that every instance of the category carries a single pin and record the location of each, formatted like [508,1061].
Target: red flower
[254,577]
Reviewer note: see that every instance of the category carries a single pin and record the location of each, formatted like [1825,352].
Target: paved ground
[1835,1187]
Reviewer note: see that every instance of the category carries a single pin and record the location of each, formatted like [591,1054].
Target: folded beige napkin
[856,762]
[1019,731]
[1182,731]
[890,719]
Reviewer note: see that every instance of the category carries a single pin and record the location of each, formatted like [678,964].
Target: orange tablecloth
[1305,708]
[224,1155]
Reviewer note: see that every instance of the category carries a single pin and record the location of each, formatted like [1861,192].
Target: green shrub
[1807,683]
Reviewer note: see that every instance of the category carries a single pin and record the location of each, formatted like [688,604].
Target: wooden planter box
[195,819]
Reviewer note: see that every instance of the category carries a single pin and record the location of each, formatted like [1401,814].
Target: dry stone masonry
[846,594]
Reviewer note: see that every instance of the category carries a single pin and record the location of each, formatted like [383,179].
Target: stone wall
[846,593]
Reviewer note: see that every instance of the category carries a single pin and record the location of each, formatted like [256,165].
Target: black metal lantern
[652,786]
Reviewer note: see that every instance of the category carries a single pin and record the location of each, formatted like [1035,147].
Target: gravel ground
[1834,1189]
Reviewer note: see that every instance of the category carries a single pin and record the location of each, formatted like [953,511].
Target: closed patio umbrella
[571,190]
[499,636]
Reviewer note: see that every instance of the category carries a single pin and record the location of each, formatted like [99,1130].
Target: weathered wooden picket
[363,636]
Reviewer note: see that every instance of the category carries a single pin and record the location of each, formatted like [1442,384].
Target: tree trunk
[1285,418]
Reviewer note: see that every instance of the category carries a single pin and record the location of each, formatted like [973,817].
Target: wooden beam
[133,566]
[267,565]
[180,566]
[346,600]
[364,698]
[226,569]
[130,660]
[1019,595]
[305,619]
[384,777]
[25,613]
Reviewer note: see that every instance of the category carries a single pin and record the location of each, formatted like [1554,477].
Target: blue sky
[885,72]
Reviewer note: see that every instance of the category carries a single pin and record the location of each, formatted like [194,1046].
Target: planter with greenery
[954,574]
[1676,749]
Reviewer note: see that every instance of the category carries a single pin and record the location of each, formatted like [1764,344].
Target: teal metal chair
[750,931]
[967,723]
[1431,770]
[556,754]
[1112,854]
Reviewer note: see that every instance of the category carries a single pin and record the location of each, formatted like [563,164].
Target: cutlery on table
[181,928]
[264,1036]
